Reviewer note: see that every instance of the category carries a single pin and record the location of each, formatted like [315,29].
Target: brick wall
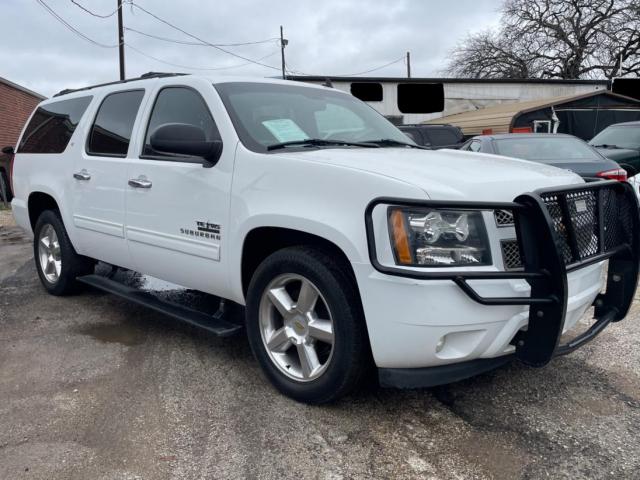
[15,108]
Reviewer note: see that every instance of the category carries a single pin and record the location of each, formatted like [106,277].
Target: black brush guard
[559,230]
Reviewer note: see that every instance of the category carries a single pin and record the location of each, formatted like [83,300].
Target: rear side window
[179,105]
[52,126]
[111,130]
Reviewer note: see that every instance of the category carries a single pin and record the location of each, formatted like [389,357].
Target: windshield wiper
[606,145]
[321,143]
[389,142]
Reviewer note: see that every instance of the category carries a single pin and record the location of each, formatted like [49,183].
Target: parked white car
[349,246]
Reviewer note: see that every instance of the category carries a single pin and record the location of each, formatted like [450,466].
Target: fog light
[439,345]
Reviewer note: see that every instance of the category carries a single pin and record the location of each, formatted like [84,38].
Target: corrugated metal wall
[462,97]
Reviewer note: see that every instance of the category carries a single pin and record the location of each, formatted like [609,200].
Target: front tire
[57,262]
[305,325]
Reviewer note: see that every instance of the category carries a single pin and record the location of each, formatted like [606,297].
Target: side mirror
[630,169]
[8,150]
[186,139]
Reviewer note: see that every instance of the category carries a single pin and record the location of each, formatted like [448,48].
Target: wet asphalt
[92,387]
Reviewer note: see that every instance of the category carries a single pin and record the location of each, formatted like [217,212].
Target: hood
[447,174]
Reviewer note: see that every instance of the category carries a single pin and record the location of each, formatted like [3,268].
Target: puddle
[114,333]
[163,290]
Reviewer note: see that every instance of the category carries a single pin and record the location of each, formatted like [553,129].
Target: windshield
[547,149]
[266,114]
[623,137]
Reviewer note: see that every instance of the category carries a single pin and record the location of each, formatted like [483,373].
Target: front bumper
[561,280]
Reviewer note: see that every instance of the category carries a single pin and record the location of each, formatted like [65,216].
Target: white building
[415,100]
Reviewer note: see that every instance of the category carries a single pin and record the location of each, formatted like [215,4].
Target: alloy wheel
[298,335]
[49,254]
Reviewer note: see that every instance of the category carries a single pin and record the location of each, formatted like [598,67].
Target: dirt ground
[92,387]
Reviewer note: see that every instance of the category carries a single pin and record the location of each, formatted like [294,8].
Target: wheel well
[262,242]
[38,203]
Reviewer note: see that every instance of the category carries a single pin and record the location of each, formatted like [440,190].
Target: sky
[329,37]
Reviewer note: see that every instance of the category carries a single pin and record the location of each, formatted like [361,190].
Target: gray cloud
[326,38]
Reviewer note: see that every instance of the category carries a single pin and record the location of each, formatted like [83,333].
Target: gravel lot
[92,387]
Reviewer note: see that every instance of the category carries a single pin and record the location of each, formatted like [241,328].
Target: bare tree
[555,39]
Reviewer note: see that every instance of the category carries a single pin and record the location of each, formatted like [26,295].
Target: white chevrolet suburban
[349,247]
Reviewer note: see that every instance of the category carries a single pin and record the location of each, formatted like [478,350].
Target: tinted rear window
[618,136]
[547,149]
[442,136]
[111,130]
[52,126]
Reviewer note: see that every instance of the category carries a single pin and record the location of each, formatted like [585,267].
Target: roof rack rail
[141,77]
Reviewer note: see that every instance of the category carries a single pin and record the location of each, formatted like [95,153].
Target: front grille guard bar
[544,267]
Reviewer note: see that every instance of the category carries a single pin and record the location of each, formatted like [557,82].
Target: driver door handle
[140,182]
[82,175]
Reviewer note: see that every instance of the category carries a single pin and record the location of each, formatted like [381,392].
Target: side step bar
[211,323]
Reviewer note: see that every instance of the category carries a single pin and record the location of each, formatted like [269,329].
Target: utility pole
[283,43]
[120,39]
[408,64]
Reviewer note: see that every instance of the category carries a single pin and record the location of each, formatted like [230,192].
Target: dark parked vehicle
[434,136]
[559,150]
[5,170]
[621,143]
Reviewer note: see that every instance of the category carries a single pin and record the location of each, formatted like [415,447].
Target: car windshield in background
[621,137]
[272,115]
[547,149]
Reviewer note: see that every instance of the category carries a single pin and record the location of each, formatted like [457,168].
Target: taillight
[614,174]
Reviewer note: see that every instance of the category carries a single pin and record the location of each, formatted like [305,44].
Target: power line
[128,45]
[199,43]
[297,72]
[373,69]
[201,40]
[72,28]
[93,13]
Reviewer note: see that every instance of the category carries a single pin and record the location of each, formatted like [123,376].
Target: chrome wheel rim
[49,254]
[298,335]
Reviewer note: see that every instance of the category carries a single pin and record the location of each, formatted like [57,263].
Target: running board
[211,323]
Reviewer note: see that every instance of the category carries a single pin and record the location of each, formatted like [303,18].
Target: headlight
[438,238]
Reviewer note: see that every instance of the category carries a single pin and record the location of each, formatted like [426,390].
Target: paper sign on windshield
[285,130]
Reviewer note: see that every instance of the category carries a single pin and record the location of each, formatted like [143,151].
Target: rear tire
[57,262]
[306,327]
